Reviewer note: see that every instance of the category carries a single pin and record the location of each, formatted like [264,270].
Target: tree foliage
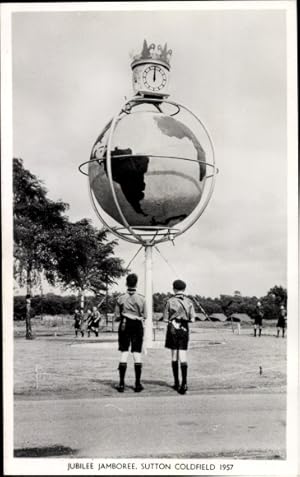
[278,294]
[229,304]
[51,304]
[84,258]
[37,220]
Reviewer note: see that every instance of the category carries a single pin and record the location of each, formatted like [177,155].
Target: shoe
[121,388]
[175,387]
[183,389]
[138,388]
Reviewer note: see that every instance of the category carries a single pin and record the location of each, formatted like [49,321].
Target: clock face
[154,78]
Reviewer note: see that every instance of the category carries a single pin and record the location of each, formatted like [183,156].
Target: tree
[275,297]
[278,294]
[159,301]
[84,259]
[37,220]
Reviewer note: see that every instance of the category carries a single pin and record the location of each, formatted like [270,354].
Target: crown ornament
[153,53]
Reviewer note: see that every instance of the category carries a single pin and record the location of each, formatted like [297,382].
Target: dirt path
[230,425]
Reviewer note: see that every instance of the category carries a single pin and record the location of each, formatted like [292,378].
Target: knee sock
[259,332]
[122,372]
[184,367]
[175,372]
[138,373]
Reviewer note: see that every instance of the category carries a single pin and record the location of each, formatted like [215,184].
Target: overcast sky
[71,72]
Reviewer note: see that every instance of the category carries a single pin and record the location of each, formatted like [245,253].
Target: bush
[19,308]
[49,304]
[52,304]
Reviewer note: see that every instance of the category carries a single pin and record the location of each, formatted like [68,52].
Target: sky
[71,72]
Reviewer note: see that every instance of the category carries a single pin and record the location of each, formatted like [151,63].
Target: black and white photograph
[150,238]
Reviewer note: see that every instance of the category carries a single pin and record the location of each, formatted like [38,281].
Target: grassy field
[55,364]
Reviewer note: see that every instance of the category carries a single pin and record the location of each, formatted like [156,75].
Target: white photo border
[28,466]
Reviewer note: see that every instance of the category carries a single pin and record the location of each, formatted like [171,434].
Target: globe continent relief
[158,170]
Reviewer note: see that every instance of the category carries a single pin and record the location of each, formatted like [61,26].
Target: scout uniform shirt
[96,317]
[77,319]
[130,305]
[179,307]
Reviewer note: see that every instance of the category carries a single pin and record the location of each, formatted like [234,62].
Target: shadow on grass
[156,383]
[52,451]
[106,382]
[113,384]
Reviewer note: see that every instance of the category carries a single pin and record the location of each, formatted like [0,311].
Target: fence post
[36,377]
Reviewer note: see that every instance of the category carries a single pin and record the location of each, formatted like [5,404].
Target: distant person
[258,318]
[226,312]
[225,308]
[88,321]
[78,322]
[179,311]
[95,321]
[281,323]
[130,311]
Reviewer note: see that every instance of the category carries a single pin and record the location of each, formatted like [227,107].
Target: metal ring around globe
[126,156]
[165,233]
[146,229]
[88,162]
[178,110]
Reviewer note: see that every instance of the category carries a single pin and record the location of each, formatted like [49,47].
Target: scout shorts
[131,333]
[281,323]
[177,338]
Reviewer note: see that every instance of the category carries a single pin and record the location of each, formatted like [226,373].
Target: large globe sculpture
[148,171]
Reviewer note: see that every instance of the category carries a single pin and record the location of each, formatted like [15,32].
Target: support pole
[148,297]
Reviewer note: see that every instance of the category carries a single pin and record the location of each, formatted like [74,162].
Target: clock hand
[154,74]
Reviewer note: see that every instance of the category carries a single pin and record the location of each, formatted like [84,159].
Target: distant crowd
[259,316]
[88,322]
